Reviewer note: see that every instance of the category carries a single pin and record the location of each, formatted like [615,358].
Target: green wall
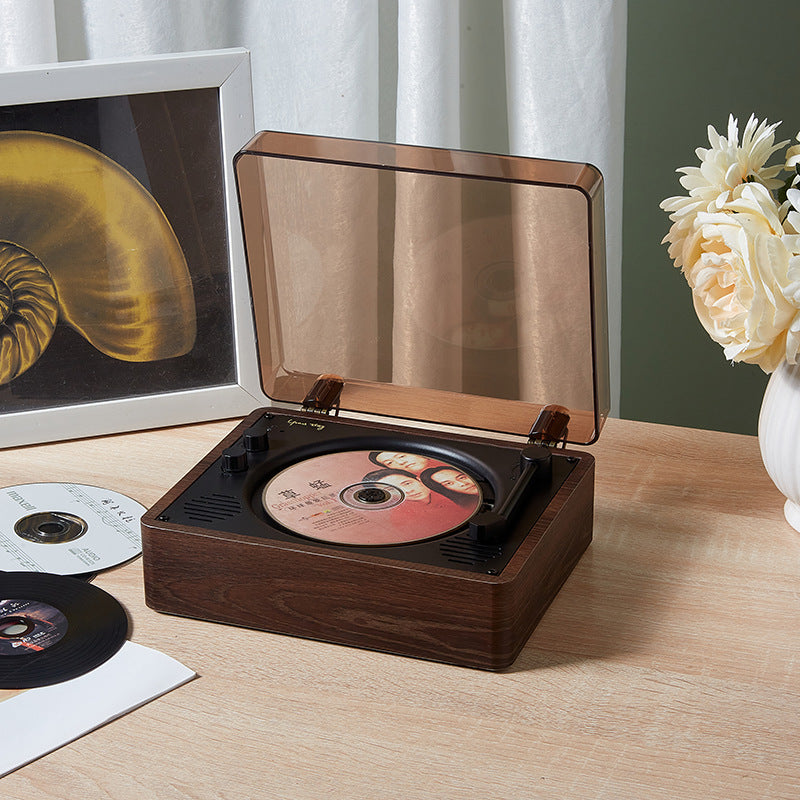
[690,64]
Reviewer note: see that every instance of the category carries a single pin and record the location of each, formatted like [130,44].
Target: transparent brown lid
[443,286]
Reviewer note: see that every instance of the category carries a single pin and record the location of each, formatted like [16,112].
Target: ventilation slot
[463,550]
[212,507]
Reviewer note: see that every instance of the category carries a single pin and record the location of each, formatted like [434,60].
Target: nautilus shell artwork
[82,242]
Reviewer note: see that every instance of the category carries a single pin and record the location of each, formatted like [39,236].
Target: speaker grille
[461,549]
[212,507]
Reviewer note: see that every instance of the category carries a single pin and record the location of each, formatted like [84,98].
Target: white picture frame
[41,415]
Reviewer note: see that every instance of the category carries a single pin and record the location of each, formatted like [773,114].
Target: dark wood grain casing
[470,619]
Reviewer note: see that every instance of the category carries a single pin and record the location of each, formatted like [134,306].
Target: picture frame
[151,330]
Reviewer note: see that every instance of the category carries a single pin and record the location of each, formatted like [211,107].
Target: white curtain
[530,77]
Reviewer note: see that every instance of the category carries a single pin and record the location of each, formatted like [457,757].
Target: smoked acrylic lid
[443,286]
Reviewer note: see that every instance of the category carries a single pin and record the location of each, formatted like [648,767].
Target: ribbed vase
[779,436]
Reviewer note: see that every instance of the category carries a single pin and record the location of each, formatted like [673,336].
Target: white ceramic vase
[779,436]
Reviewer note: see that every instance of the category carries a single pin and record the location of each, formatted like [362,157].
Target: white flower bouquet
[736,238]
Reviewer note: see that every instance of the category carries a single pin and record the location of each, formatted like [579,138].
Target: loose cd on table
[54,628]
[365,497]
[67,528]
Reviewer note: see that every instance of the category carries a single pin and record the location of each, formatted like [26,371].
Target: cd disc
[53,628]
[364,497]
[67,528]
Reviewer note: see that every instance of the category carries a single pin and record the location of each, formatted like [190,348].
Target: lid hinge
[324,395]
[551,426]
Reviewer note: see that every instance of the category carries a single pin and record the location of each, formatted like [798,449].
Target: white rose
[724,166]
[745,282]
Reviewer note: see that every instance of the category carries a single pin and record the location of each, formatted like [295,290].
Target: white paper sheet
[38,721]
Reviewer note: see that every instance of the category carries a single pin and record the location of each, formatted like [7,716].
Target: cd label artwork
[365,497]
[67,528]
[29,626]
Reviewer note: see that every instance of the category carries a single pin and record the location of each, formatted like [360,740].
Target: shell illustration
[28,310]
[120,276]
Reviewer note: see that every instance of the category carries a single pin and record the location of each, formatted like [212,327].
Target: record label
[364,497]
[27,625]
[67,528]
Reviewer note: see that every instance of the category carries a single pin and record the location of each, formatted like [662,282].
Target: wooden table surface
[667,667]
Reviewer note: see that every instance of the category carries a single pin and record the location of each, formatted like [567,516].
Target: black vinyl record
[54,627]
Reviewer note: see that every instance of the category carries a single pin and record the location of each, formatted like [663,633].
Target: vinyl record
[53,628]
[67,528]
[364,497]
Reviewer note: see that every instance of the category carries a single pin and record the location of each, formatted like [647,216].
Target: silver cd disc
[372,497]
[67,528]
